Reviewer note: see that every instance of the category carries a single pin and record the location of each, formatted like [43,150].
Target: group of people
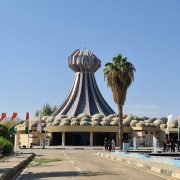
[170,145]
[109,145]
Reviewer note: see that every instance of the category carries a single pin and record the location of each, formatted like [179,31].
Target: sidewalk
[11,165]
[150,149]
[68,147]
[145,165]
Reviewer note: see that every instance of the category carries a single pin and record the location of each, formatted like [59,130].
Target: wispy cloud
[142,106]
[142,109]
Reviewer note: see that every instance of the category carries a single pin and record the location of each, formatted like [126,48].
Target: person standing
[178,146]
[109,145]
[105,144]
[113,145]
[172,144]
[168,145]
[164,145]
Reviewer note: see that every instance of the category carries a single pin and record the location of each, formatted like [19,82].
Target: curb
[69,148]
[145,167]
[16,169]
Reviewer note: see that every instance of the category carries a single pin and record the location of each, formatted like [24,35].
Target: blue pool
[173,161]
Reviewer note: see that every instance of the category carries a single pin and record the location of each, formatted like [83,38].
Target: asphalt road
[81,164]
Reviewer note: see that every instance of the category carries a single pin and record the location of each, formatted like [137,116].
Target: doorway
[56,139]
[77,138]
[98,137]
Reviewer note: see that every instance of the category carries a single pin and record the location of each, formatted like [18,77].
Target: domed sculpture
[83,61]
[84,96]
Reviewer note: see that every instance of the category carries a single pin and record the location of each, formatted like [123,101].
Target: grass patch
[41,161]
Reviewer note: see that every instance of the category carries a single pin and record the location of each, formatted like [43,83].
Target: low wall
[13,171]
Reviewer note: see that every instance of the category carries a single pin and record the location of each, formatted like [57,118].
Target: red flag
[14,115]
[3,116]
[27,116]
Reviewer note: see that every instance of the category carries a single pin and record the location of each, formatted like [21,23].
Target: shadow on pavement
[4,170]
[31,175]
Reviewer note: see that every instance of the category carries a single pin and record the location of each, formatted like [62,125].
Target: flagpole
[28,135]
[27,126]
[14,116]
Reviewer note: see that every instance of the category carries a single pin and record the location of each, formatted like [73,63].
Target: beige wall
[144,135]
[23,139]
[33,138]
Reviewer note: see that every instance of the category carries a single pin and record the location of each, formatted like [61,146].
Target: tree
[119,76]
[7,130]
[47,110]
[4,131]
[37,113]
[6,146]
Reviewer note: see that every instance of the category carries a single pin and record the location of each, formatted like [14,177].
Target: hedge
[6,146]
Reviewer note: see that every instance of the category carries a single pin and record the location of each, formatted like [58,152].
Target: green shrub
[6,146]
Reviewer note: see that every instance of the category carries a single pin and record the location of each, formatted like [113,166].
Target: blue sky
[37,36]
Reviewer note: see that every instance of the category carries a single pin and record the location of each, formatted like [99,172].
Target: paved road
[81,164]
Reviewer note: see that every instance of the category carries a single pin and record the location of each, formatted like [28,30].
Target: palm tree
[119,76]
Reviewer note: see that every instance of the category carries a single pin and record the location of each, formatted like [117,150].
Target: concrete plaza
[84,164]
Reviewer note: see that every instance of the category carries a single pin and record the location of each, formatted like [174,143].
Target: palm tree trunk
[120,129]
